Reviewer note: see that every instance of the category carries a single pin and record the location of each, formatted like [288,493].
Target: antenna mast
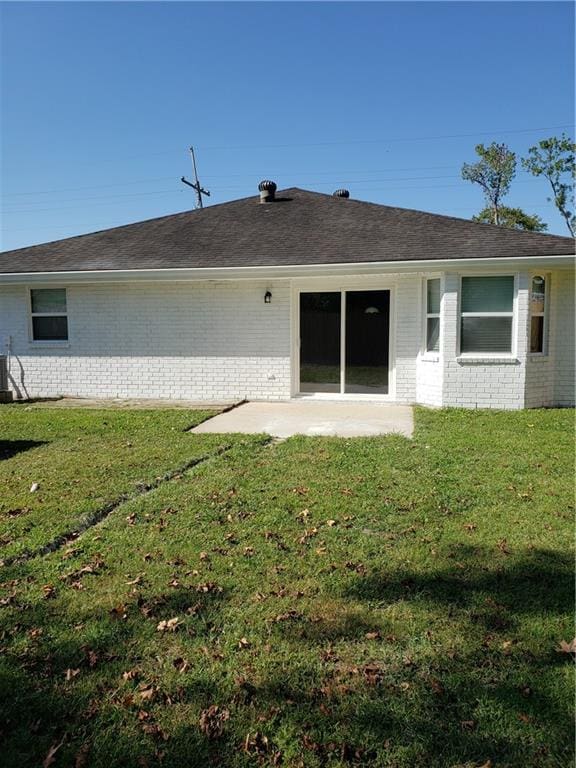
[196,186]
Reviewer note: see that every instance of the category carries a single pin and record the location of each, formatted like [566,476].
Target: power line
[350,182]
[359,189]
[393,140]
[500,131]
[230,175]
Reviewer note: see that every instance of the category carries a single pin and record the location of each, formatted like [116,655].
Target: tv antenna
[196,186]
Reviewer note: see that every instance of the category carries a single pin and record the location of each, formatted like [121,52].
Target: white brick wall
[481,382]
[563,341]
[220,341]
[166,340]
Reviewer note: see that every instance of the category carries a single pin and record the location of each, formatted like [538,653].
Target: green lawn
[318,602]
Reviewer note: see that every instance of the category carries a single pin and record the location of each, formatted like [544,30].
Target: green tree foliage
[553,158]
[494,173]
[513,218]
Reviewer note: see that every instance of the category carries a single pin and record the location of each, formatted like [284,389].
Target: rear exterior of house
[303,295]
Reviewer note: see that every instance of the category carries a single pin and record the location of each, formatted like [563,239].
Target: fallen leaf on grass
[373,635]
[91,656]
[34,487]
[291,615]
[50,757]
[525,718]
[152,729]
[436,686]
[244,643]
[71,673]
[180,664]
[146,692]
[81,759]
[16,512]
[212,721]
[119,612]
[169,625]
[565,647]
[49,591]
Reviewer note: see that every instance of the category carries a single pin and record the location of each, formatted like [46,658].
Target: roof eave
[555,261]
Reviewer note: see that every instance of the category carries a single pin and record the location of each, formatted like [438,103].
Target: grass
[376,602]
[82,461]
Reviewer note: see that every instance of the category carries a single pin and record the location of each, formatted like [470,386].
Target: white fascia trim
[280,272]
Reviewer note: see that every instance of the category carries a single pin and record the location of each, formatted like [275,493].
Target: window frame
[544,314]
[512,314]
[31,315]
[431,354]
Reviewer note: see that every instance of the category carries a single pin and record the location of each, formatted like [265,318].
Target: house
[294,294]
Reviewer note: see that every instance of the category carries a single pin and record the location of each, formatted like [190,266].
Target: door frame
[341,285]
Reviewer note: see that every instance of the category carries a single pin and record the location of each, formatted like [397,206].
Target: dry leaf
[169,625]
[212,721]
[81,759]
[50,759]
[244,643]
[565,647]
[34,487]
[71,673]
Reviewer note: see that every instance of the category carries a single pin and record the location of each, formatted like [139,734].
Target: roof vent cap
[267,190]
[341,193]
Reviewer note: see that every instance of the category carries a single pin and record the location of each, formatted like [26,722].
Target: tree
[513,218]
[553,158]
[494,173]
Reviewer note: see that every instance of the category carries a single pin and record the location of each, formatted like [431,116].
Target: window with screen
[49,314]
[486,314]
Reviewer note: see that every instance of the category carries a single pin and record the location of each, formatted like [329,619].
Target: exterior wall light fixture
[267,297]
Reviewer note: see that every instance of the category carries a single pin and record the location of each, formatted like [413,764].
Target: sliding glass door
[344,342]
[320,335]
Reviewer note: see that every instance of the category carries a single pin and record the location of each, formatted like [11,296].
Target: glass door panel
[320,321]
[367,342]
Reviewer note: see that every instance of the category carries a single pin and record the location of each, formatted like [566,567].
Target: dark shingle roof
[300,227]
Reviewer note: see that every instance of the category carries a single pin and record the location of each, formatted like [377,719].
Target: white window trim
[545,314]
[513,354]
[431,355]
[47,342]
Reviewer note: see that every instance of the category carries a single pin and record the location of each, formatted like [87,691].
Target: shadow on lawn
[532,581]
[52,688]
[378,709]
[10,448]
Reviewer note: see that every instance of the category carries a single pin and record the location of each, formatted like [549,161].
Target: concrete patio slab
[300,417]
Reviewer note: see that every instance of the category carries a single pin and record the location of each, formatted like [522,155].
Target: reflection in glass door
[367,332]
[359,319]
[320,324]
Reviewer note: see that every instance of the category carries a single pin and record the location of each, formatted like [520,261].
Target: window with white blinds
[433,315]
[486,314]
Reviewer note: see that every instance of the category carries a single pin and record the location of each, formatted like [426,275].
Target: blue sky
[100,102]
